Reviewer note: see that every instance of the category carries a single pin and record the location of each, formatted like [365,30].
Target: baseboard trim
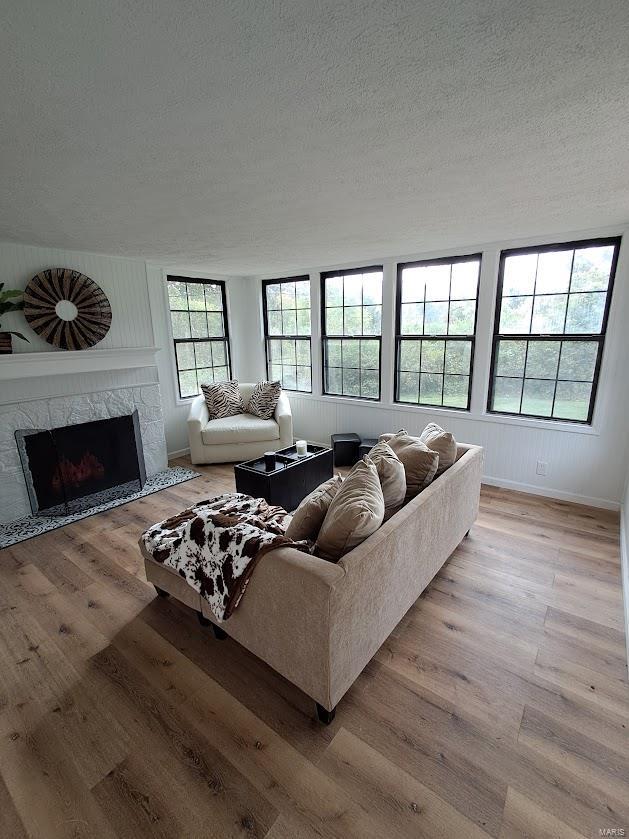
[624,573]
[180,453]
[575,498]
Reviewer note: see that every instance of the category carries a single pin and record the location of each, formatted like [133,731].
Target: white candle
[302,448]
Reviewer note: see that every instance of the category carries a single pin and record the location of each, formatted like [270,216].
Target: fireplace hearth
[76,467]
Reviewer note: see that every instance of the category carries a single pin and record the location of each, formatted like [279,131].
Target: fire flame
[75,474]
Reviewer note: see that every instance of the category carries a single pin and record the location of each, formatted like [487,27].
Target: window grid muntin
[429,337]
[535,295]
[565,337]
[557,379]
[224,339]
[284,365]
[304,278]
[343,367]
[326,338]
[442,374]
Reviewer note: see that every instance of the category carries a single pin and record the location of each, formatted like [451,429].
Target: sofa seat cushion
[240,428]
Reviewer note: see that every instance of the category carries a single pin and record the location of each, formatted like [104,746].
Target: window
[286,305]
[551,315]
[199,323]
[351,303]
[435,327]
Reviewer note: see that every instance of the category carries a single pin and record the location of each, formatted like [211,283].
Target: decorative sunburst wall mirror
[67,309]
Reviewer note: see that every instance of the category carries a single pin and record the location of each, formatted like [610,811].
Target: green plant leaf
[7,295]
[10,307]
[10,292]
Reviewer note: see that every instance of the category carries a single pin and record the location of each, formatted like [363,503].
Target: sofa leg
[161,591]
[324,715]
[219,633]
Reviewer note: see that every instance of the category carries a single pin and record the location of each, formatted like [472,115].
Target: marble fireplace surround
[56,411]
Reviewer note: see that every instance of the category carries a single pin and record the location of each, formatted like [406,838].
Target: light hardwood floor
[498,707]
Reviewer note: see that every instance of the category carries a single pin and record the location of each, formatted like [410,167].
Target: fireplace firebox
[70,469]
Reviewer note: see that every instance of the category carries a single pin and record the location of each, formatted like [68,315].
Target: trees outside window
[551,318]
[435,319]
[286,307]
[198,316]
[351,303]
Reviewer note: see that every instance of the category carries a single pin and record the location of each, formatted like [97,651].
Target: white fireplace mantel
[63,362]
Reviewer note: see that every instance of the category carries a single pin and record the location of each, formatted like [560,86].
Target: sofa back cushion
[308,517]
[223,399]
[264,399]
[392,477]
[442,442]
[356,511]
[420,463]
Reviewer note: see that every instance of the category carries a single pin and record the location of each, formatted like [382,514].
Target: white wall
[585,464]
[122,280]
[49,400]
[138,297]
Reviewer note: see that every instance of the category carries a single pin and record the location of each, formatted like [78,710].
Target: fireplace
[71,469]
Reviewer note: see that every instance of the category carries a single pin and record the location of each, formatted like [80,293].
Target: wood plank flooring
[498,707]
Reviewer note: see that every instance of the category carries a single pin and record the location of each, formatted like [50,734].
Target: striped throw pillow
[223,399]
[264,398]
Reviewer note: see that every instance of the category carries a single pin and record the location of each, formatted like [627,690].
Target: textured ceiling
[264,137]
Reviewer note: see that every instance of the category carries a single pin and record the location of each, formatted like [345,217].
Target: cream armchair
[240,437]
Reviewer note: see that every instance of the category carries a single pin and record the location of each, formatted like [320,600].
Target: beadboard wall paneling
[584,468]
[122,280]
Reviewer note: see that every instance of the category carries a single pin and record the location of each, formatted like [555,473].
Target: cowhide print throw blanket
[216,545]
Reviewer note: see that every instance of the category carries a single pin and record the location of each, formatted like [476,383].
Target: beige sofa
[240,437]
[319,623]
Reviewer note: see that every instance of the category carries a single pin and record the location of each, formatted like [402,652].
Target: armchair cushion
[241,428]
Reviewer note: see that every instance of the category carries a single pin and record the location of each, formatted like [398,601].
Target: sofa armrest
[284,418]
[386,573]
[199,416]
[283,617]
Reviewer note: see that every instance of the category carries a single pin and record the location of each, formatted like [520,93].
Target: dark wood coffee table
[291,480]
